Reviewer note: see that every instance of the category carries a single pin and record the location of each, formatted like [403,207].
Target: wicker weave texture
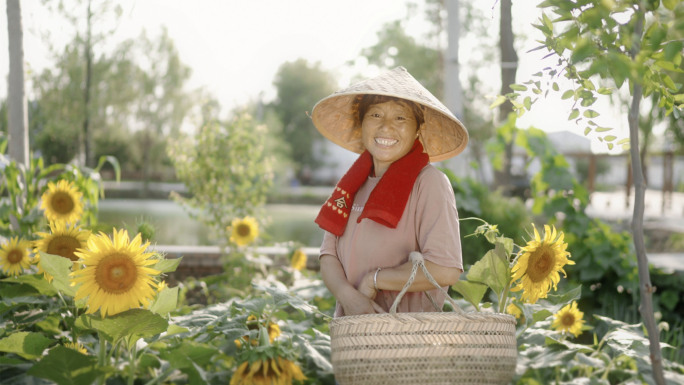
[424,348]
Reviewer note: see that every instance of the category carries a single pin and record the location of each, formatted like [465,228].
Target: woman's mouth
[385,142]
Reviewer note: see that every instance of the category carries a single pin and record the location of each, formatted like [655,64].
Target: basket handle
[417,259]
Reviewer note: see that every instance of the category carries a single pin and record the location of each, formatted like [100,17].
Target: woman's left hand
[367,286]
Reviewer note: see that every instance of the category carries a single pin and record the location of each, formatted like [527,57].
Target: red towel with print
[386,202]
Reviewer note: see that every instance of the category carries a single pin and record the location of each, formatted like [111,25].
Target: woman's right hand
[355,303]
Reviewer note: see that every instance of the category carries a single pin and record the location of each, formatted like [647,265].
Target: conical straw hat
[443,135]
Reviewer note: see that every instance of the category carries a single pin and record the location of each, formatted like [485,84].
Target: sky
[236,47]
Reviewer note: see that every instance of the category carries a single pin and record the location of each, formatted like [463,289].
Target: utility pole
[16,95]
[453,93]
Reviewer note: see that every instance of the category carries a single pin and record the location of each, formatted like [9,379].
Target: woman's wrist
[375,279]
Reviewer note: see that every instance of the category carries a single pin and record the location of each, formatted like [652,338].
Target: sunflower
[116,276]
[252,324]
[514,310]
[569,319]
[298,260]
[243,231]
[77,346]
[62,202]
[271,371]
[63,240]
[539,263]
[14,256]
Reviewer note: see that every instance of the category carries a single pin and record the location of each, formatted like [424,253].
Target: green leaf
[29,345]
[587,131]
[568,94]
[166,301]
[603,129]
[555,86]
[672,49]
[574,114]
[472,292]
[527,103]
[66,366]
[36,281]
[60,268]
[167,265]
[567,297]
[498,101]
[609,138]
[132,324]
[518,87]
[492,271]
[583,49]
[670,4]
[604,91]
[590,114]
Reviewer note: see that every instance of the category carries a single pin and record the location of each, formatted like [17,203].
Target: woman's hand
[354,302]
[367,286]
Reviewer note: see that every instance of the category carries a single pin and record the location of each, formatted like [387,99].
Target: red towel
[386,202]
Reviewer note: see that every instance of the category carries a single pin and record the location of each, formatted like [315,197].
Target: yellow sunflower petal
[569,320]
[244,231]
[115,278]
[15,257]
[62,202]
[537,268]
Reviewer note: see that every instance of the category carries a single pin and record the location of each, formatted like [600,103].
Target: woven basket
[423,348]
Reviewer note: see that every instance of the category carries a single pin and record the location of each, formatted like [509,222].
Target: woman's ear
[420,128]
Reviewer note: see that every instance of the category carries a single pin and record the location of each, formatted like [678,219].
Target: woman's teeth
[385,142]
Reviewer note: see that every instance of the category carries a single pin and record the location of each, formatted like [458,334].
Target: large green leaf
[66,366]
[167,265]
[34,280]
[471,291]
[26,344]
[132,325]
[59,268]
[492,271]
[166,301]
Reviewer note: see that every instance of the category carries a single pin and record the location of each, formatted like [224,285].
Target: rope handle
[417,259]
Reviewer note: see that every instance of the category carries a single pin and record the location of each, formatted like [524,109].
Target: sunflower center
[568,319]
[15,256]
[62,202]
[116,273]
[541,264]
[64,246]
[243,230]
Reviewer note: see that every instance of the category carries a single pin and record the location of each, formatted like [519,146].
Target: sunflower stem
[131,363]
[102,354]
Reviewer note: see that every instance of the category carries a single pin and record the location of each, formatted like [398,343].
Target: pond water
[174,225]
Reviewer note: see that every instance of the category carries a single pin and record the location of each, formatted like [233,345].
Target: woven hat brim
[443,135]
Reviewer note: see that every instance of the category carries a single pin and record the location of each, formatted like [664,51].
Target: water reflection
[174,226]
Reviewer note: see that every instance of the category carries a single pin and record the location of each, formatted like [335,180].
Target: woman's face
[388,131]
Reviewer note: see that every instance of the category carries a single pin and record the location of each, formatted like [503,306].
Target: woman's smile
[388,131]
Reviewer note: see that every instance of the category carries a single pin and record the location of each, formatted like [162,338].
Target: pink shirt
[429,225]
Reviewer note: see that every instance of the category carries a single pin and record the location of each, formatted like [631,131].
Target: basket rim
[408,316]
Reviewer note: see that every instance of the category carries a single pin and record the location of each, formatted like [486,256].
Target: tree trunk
[509,67]
[16,95]
[645,288]
[88,157]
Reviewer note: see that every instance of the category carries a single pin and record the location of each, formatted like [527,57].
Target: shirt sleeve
[437,227]
[329,245]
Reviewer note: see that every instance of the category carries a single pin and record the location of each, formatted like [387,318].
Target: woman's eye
[401,118]
[374,114]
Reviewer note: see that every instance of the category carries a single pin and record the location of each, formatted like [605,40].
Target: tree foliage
[226,171]
[299,86]
[139,95]
[593,42]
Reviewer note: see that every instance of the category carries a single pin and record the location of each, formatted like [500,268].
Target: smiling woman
[391,202]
